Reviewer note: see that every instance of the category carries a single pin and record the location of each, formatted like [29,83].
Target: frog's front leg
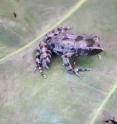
[69,66]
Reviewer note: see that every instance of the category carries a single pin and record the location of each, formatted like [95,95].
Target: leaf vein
[100,108]
[61,20]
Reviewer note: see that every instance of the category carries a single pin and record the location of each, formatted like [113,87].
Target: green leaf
[27,98]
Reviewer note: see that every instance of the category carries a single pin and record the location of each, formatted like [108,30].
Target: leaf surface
[27,98]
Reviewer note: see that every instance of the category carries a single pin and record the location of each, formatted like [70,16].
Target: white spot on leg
[44,49]
[99,56]
[48,60]
[37,53]
[37,60]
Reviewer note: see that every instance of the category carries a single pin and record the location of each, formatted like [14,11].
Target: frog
[66,44]
[110,121]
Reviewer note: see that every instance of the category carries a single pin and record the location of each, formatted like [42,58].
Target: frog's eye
[67,28]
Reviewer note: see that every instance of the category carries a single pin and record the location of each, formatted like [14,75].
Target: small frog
[66,44]
[111,121]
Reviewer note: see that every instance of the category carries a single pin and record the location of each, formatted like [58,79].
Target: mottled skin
[62,42]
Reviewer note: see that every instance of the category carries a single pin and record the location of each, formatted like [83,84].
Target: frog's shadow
[83,61]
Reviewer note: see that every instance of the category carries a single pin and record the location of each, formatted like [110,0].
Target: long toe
[84,69]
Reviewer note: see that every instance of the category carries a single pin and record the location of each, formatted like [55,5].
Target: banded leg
[38,62]
[67,64]
[70,68]
[43,56]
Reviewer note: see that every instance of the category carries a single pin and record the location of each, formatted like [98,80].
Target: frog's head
[94,45]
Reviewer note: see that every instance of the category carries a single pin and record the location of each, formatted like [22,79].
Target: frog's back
[61,41]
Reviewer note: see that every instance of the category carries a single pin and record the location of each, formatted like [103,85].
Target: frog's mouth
[94,51]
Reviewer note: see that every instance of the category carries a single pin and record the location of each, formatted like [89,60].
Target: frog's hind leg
[43,56]
[38,62]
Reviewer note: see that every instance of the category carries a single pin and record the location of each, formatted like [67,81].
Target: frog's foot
[82,69]
[78,70]
[39,69]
